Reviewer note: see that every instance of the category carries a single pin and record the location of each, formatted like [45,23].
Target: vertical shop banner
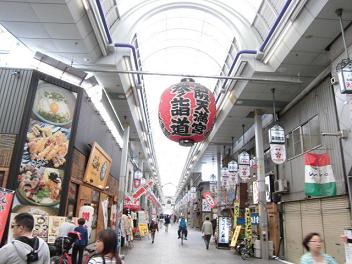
[104,206]
[236,212]
[235,236]
[319,177]
[6,197]
[210,200]
[113,216]
[47,147]
[248,231]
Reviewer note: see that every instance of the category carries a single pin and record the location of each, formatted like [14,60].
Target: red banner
[142,190]
[210,200]
[5,207]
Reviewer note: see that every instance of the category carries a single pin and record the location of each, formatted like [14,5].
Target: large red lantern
[187,112]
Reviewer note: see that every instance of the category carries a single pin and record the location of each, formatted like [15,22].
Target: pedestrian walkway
[167,249]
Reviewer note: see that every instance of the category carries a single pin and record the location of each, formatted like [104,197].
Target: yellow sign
[143,229]
[235,236]
[236,212]
[98,167]
[248,226]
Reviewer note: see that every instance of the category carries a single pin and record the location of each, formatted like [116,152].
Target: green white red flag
[319,177]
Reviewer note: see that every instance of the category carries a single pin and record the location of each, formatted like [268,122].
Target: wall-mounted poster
[98,167]
[41,174]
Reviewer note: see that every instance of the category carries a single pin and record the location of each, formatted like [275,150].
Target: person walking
[24,248]
[153,227]
[66,227]
[80,243]
[207,230]
[312,243]
[106,247]
[167,222]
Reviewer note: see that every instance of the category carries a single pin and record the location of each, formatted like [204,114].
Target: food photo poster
[45,152]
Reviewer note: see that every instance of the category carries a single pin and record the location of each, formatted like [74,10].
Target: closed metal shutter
[327,216]
[293,231]
[336,216]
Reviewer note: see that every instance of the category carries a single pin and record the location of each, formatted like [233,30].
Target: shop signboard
[143,229]
[98,167]
[205,206]
[224,223]
[6,197]
[45,146]
[244,171]
[276,135]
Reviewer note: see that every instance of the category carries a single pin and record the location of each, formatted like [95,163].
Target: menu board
[98,167]
[54,225]
[45,152]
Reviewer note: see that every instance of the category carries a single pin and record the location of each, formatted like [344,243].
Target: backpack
[183,223]
[33,255]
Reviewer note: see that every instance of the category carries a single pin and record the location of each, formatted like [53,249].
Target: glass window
[297,141]
[289,141]
[306,137]
[315,132]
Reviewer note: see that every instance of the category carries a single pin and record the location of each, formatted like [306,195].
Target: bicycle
[182,234]
[62,246]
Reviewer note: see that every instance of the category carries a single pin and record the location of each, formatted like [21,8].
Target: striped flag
[319,177]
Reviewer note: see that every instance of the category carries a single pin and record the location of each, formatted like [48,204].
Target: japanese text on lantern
[201,112]
[180,107]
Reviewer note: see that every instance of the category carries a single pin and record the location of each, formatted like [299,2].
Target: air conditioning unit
[281,186]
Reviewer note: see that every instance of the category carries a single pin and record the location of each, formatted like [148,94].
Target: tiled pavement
[167,249]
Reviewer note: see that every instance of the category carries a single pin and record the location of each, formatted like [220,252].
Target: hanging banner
[152,198]
[244,158]
[276,135]
[104,206]
[278,153]
[142,190]
[210,200]
[6,198]
[248,230]
[113,216]
[319,177]
[236,212]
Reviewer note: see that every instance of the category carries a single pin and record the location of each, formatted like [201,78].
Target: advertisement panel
[46,148]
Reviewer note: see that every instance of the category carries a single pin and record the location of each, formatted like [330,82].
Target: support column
[263,214]
[218,184]
[122,179]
